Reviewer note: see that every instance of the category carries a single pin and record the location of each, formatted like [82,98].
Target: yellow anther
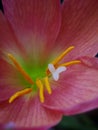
[70,63]
[60,57]
[20,69]
[47,85]
[19,93]
[41,90]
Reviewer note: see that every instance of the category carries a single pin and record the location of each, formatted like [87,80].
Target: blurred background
[86,121]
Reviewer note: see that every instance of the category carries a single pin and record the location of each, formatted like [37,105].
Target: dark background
[86,121]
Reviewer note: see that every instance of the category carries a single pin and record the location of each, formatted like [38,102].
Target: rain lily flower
[45,66]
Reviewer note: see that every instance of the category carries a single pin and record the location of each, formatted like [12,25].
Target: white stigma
[55,72]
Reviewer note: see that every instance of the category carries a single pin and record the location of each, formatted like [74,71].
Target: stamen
[20,69]
[47,85]
[70,63]
[41,90]
[60,57]
[19,93]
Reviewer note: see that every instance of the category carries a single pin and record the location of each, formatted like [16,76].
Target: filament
[61,56]
[19,93]
[70,63]
[20,69]
[41,90]
[47,85]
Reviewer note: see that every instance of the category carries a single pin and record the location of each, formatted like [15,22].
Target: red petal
[36,23]
[79,28]
[28,113]
[77,89]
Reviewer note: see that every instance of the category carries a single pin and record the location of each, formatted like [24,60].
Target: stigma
[54,70]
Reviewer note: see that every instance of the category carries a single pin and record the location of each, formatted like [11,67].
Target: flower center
[54,70]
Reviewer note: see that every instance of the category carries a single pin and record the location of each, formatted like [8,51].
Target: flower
[38,83]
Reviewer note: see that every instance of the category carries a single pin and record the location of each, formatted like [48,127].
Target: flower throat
[53,70]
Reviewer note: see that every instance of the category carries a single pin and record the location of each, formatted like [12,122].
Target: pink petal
[2,127]
[28,113]
[90,62]
[79,27]
[36,23]
[77,89]
[10,81]
[11,126]
[8,41]
[7,91]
